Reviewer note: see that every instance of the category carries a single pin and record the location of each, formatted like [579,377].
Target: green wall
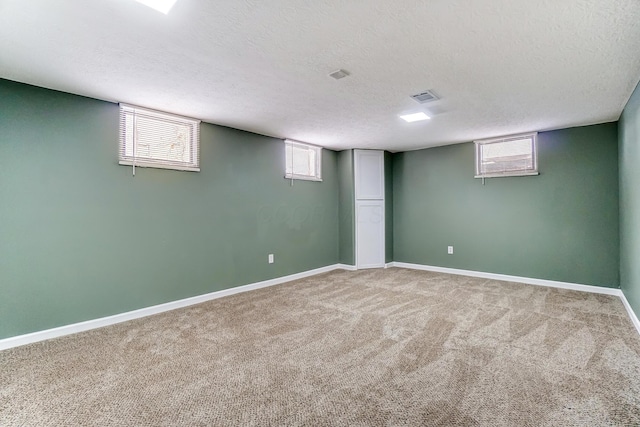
[629,133]
[561,225]
[80,238]
[346,207]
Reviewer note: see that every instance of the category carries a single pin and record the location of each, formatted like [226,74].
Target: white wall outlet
[450,250]
[270,258]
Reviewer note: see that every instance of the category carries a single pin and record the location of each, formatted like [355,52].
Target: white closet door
[369,182]
[369,174]
[370,233]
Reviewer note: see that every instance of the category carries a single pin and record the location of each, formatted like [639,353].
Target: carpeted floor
[388,347]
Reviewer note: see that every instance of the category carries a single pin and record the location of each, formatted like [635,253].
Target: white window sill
[159,166]
[303,178]
[502,175]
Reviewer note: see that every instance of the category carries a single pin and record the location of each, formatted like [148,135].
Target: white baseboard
[33,337]
[632,314]
[529,281]
[517,279]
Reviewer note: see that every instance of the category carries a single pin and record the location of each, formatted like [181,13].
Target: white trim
[33,337]
[347,267]
[142,164]
[302,177]
[517,279]
[632,314]
[506,175]
[388,265]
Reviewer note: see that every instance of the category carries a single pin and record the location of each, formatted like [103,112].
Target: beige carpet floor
[388,347]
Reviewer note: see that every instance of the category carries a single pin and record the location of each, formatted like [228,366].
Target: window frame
[193,165]
[318,161]
[533,136]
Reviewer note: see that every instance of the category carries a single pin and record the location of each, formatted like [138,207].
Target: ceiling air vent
[426,96]
[339,74]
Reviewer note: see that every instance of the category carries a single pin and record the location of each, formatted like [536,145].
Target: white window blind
[159,140]
[303,161]
[509,156]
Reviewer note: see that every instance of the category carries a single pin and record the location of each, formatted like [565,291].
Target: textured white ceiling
[500,66]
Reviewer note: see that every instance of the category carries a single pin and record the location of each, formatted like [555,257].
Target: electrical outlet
[450,250]
[270,258]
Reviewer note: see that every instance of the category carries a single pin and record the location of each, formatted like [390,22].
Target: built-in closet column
[369,201]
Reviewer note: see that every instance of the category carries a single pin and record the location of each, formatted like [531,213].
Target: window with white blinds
[302,161]
[158,140]
[509,156]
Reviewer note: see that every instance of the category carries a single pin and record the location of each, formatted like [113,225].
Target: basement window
[508,156]
[302,161]
[158,140]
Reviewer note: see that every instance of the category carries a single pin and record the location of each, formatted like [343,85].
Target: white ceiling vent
[339,74]
[426,96]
